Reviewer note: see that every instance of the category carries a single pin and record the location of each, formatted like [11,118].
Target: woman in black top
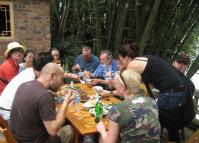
[163,76]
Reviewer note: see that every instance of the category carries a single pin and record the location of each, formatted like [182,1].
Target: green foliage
[161,27]
[191,47]
[69,50]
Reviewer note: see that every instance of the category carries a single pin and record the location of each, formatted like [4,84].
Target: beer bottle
[98,109]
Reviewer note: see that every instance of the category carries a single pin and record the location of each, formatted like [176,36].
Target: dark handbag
[180,116]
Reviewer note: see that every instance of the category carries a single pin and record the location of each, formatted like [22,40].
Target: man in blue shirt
[86,61]
[107,64]
[106,69]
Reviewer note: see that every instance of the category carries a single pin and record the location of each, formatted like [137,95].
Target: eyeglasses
[17,50]
[120,74]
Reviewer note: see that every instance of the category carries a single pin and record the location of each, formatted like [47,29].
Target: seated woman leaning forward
[133,120]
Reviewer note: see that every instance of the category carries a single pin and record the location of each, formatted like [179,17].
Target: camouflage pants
[66,134]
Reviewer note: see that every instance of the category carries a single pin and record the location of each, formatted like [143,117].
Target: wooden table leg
[77,137]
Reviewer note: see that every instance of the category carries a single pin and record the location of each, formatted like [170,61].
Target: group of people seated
[27,104]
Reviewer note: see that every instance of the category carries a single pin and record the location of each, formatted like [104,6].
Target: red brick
[32,25]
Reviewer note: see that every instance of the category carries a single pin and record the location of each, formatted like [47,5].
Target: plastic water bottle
[72,84]
[76,102]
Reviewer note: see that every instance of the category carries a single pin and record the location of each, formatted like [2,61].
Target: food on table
[97,88]
[82,93]
[92,111]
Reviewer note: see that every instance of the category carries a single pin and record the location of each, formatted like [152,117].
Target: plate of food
[97,88]
[73,88]
[92,111]
[89,104]
[84,96]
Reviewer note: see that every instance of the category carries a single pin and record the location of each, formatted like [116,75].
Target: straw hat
[13,45]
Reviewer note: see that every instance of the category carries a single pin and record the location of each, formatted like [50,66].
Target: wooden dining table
[83,121]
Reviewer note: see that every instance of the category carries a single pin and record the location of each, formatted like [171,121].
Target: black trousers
[174,135]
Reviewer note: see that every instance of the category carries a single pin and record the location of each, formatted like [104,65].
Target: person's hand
[93,82]
[87,74]
[69,97]
[105,93]
[77,67]
[100,127]
[71,75]
[109,74]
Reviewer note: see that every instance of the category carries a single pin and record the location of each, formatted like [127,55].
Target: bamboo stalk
[150,23]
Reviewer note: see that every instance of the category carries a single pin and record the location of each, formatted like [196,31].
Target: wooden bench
[6,132]
[194,138]
[3,123]
[8,136]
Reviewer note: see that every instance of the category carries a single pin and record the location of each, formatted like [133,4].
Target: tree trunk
[149,25]
[98,27]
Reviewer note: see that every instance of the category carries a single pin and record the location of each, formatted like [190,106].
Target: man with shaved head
[33,115]
[28,74]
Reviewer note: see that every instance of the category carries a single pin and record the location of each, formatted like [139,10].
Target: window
[7,24]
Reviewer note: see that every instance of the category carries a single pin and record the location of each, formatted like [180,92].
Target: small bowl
[97,88]
[87,105]
[88,80]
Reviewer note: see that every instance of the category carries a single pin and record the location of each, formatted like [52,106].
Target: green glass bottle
[98,109]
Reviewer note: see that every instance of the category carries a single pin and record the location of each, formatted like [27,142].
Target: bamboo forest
[161,27]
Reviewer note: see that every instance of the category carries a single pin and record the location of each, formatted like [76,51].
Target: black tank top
[161,74]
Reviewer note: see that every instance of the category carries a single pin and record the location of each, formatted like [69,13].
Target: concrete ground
[187,134]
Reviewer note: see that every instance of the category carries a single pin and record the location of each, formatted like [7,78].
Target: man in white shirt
[8,93]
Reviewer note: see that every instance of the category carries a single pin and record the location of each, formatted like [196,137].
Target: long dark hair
[130,50]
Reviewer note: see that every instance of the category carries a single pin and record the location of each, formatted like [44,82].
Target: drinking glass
[108,72]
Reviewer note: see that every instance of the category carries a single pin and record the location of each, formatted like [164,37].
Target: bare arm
[138,65]
[76,67]
[105,93]
[109,136]
[54,125]
[72,76]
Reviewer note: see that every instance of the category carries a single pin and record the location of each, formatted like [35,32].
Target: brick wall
[31,24]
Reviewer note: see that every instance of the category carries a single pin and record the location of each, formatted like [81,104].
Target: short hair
[41,60]
[54,49]
[130,79]
[86,48]
[28,51]
[183,57]
[51,68]
[109,54]
[129,50]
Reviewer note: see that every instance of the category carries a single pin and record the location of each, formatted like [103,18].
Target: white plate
[97,88]
[88,105]
[92,111]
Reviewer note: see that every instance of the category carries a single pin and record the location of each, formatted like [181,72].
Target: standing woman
[136,118]
[28,58]
[163,76]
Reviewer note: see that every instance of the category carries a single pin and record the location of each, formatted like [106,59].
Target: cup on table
[76,101]
[109,75]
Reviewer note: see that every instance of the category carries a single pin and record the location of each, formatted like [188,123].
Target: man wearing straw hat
[9,68]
